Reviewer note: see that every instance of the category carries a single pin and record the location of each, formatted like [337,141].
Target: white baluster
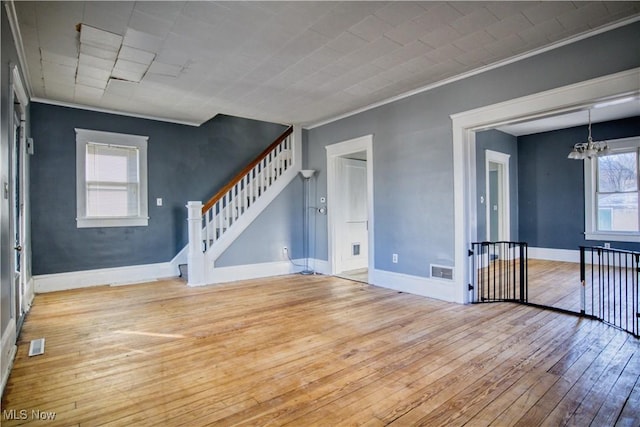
[218,218]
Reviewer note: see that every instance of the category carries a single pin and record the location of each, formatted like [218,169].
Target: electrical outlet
[394,258]
[607,245]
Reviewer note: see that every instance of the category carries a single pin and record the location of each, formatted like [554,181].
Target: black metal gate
[498,272]
[609,279]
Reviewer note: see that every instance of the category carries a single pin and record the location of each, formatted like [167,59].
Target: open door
[353,223]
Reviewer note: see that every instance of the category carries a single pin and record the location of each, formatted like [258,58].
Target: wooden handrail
[212,201]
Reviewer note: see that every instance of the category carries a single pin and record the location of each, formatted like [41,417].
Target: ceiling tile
[108,16]
[62,45]
[440,36]
[94,73]
[136,55]
[475,21]
[164,69]
[407,32]
[91,61]
[437,16]
[88,81]
[370,28]
[142,40]
[403,54]
[164,10]
[585,14]
[544,12]
[394,15]
[100,38]
[83,92]
[97,52]
[474,40]
[508,26]
[68,61]
[342,17]
[504,9]
[346,43]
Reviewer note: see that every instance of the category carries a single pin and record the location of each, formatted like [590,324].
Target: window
[111,178]
[612,193]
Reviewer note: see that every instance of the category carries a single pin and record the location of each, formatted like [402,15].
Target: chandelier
[589,149]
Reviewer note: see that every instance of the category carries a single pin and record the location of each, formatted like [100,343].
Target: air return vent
[36,347]
[441,272]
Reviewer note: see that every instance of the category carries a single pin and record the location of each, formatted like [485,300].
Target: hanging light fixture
[589,149]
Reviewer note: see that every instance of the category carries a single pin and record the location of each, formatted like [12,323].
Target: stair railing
[209,222]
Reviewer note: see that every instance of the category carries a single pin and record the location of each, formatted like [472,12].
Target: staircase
[215,225]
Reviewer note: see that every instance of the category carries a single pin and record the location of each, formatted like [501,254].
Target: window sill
[613,237]
[112,222]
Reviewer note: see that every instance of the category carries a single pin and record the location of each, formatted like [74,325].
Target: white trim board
[9,349]
[424,286]
[252,271]
[104,276]
[550,254]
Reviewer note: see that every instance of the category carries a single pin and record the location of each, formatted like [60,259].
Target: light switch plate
[159,201]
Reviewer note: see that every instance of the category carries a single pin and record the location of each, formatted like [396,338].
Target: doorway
[498,204]
[350,208]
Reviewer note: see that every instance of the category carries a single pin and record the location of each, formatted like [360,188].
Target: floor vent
[441,272]
[36,347]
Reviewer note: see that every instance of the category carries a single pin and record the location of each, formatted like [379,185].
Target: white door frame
[334,151]
[19,97]
[504,202]
[464,125]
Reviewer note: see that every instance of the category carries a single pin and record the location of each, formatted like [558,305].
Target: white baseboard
[29,295]
[251,271]
[423,286]
[104,276]
[8,352]
[549,254]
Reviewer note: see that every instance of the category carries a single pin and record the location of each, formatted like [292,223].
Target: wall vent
[441,272]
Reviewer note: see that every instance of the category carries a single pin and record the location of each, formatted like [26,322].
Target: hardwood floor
[315,350]
[555,284]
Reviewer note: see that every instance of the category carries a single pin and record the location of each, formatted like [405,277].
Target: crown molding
[480,70]
[119,113]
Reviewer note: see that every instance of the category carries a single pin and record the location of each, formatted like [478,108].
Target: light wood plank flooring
[315,350]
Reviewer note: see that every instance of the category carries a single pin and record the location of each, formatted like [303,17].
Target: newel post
[195,256]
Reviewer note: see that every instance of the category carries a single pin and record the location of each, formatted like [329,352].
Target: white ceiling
[288,62]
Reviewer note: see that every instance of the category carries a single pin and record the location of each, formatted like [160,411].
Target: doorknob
[18,248]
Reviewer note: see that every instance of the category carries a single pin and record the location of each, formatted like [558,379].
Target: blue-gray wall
[501,142]
[184,163]
[412,152]
[551,186]
[279,225]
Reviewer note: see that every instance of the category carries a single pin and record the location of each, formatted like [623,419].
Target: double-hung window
[111,179]
[612,187]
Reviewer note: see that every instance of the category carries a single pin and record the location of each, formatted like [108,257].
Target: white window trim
[83,137]
[590,185]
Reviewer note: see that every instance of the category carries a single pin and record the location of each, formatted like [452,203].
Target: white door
[354,245]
